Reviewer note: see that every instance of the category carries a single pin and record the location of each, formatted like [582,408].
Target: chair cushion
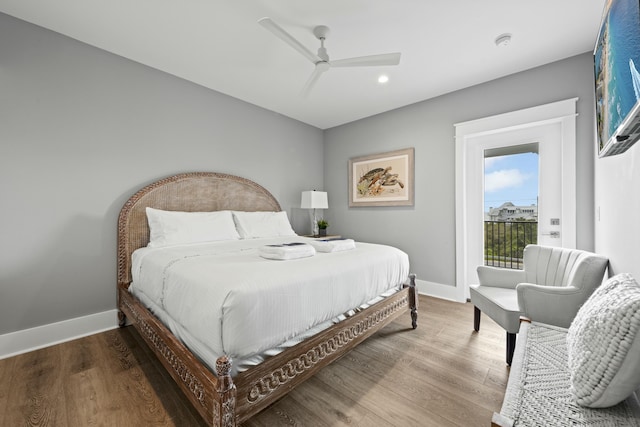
[500,304]
[603,344]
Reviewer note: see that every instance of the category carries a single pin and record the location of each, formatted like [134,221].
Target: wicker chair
[553,285]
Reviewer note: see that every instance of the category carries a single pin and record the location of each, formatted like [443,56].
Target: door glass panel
[510,203]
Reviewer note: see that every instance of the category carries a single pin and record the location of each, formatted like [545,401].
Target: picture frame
[384,179]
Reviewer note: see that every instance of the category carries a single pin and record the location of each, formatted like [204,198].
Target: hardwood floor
[441,374]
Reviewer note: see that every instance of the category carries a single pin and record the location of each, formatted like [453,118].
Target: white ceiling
[446,45]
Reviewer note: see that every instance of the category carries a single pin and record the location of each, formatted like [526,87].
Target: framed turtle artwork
[385,179]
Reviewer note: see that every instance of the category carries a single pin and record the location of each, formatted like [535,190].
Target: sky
[512,178]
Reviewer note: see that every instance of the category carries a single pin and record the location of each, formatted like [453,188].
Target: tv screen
[617,60]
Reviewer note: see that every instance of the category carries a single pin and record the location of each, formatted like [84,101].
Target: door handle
[552,234]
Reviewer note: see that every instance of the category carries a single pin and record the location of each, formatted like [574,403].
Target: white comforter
[223,298]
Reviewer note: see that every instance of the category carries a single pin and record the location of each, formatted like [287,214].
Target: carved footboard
[222,401]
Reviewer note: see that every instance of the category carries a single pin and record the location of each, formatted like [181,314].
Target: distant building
[509,212]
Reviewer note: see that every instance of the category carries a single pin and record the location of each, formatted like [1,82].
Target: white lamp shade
[314,200]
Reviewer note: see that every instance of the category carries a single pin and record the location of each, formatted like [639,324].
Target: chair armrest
[500,277]
[552,305]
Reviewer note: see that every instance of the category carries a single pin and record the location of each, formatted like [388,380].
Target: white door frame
[468,133]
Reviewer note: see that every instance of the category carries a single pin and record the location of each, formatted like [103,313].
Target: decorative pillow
[252,225]
[176,228]
[603,344]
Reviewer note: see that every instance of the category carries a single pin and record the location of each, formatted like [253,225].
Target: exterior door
[552,128]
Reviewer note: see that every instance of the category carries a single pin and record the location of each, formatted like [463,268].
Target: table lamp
[314,200]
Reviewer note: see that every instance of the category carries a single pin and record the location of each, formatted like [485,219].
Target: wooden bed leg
[122,319]
[224,409]
[413,301]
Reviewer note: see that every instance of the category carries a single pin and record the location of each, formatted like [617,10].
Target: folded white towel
[287,251]
[333,245]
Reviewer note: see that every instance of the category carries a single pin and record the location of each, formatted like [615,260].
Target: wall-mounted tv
[617,61]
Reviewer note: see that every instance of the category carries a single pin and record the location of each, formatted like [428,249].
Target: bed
[225,396]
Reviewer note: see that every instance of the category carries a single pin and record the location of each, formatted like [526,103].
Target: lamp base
[314,224]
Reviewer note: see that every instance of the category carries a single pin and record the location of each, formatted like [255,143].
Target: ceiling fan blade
[279,32]
[366,61]
[313,78]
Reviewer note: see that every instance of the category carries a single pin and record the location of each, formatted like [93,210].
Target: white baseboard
[27,340]
[438,290]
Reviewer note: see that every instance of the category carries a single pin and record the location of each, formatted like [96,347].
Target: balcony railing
[504,242]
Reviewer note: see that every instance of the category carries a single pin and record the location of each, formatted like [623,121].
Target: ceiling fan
[321,59]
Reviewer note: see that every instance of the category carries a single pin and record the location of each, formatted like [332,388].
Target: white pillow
[175,227]
[252,225]
[603,344]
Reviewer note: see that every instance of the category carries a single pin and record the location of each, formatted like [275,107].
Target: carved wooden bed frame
[221,400]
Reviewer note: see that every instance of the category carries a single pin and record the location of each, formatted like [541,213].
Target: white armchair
[550,289]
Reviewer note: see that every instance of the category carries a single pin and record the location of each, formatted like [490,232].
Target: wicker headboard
[189,192]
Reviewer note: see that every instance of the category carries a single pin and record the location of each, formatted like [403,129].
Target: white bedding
[223,298]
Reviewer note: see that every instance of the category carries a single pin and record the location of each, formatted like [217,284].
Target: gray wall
[80,131]
[427,230]
[618,204]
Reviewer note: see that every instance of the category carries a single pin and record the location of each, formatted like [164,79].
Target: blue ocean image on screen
[617,59]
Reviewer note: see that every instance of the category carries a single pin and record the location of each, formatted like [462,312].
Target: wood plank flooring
[441,374]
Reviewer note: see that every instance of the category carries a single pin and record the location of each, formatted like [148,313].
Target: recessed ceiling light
[383,78]
[503,40]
